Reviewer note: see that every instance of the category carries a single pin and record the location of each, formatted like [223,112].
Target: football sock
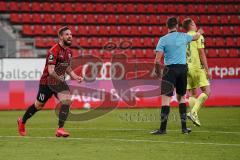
[191,102]
[164,117]
[63,114]
[199,102]
[183,115]
[29,113]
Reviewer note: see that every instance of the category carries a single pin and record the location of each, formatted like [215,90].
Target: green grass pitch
[123,134]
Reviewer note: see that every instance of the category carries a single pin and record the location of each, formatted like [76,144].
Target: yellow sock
[191,102]
[199,102]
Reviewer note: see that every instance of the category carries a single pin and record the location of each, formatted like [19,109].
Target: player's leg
[201,98]
[65,102]
[181,87]
[205,87]
[166,91]
[43,95]
[192,97]
[192,91]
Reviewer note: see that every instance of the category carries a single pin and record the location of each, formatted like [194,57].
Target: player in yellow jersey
[198,73]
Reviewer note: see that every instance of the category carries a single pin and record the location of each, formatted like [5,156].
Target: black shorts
[46,91]
[176,75]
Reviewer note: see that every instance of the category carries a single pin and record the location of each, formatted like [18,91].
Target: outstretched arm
[73,75]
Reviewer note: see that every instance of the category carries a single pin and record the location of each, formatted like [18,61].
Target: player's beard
[66,43]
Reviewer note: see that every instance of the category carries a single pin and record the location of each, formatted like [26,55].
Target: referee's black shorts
[46,91]
[175,74]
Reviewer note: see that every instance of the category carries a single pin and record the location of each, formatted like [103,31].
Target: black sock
[164,117]
[29,113]
[63,114]
[183,115]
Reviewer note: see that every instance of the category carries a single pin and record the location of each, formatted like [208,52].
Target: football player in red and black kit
[52,82]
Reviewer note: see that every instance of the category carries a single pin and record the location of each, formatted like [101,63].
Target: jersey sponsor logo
[51,57]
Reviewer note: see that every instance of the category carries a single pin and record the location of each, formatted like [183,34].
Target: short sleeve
[200,42]
[160,46]
[51,57]
[188,37]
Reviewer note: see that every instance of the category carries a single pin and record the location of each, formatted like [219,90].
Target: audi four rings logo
[103,71]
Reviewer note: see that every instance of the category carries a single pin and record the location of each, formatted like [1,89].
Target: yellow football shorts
[196,78]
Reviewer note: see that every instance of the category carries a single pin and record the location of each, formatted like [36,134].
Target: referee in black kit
[172,47]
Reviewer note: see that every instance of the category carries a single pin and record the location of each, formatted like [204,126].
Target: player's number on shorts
[41,96]
[189,53]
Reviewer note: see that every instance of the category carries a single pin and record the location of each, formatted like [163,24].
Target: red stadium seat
[212,53]
[15,18]
[69,18]
[213,20]
[134,30]
[221,8]
[25,6]
[191,8]
[79,7]
[216,30]
[120,8]
[141,8]
[26,18]
[49,30]
[91,18]
[89,7]
[227,30]
[47,18]
[207,31]
[236,30]
[13,6]
[211,8]
[80,18]
[150,53]
[143,19]
[27,30]
[209,42]
[150,8]
[82,30]
[234,19]
[122,19]
[3,6]
[201,8]
[99,7]
[171,8]
[38,30]
[58,18]
[57,7]
[109,7]
[130,8]
[238,42]
[160,8]
[67,7]
[111,18]
[181,8]
[220,42]
[132,19]
[222,53]
[224,19]
[93,30]
[36,18]
[46,6]
[144,30]
[36,7]
[204,19]
[230,42]
[233,53]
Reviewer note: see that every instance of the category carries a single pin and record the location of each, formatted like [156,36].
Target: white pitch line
[126,140]
[131,129]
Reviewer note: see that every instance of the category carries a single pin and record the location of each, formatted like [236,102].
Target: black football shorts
[46,91]
[175,74]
